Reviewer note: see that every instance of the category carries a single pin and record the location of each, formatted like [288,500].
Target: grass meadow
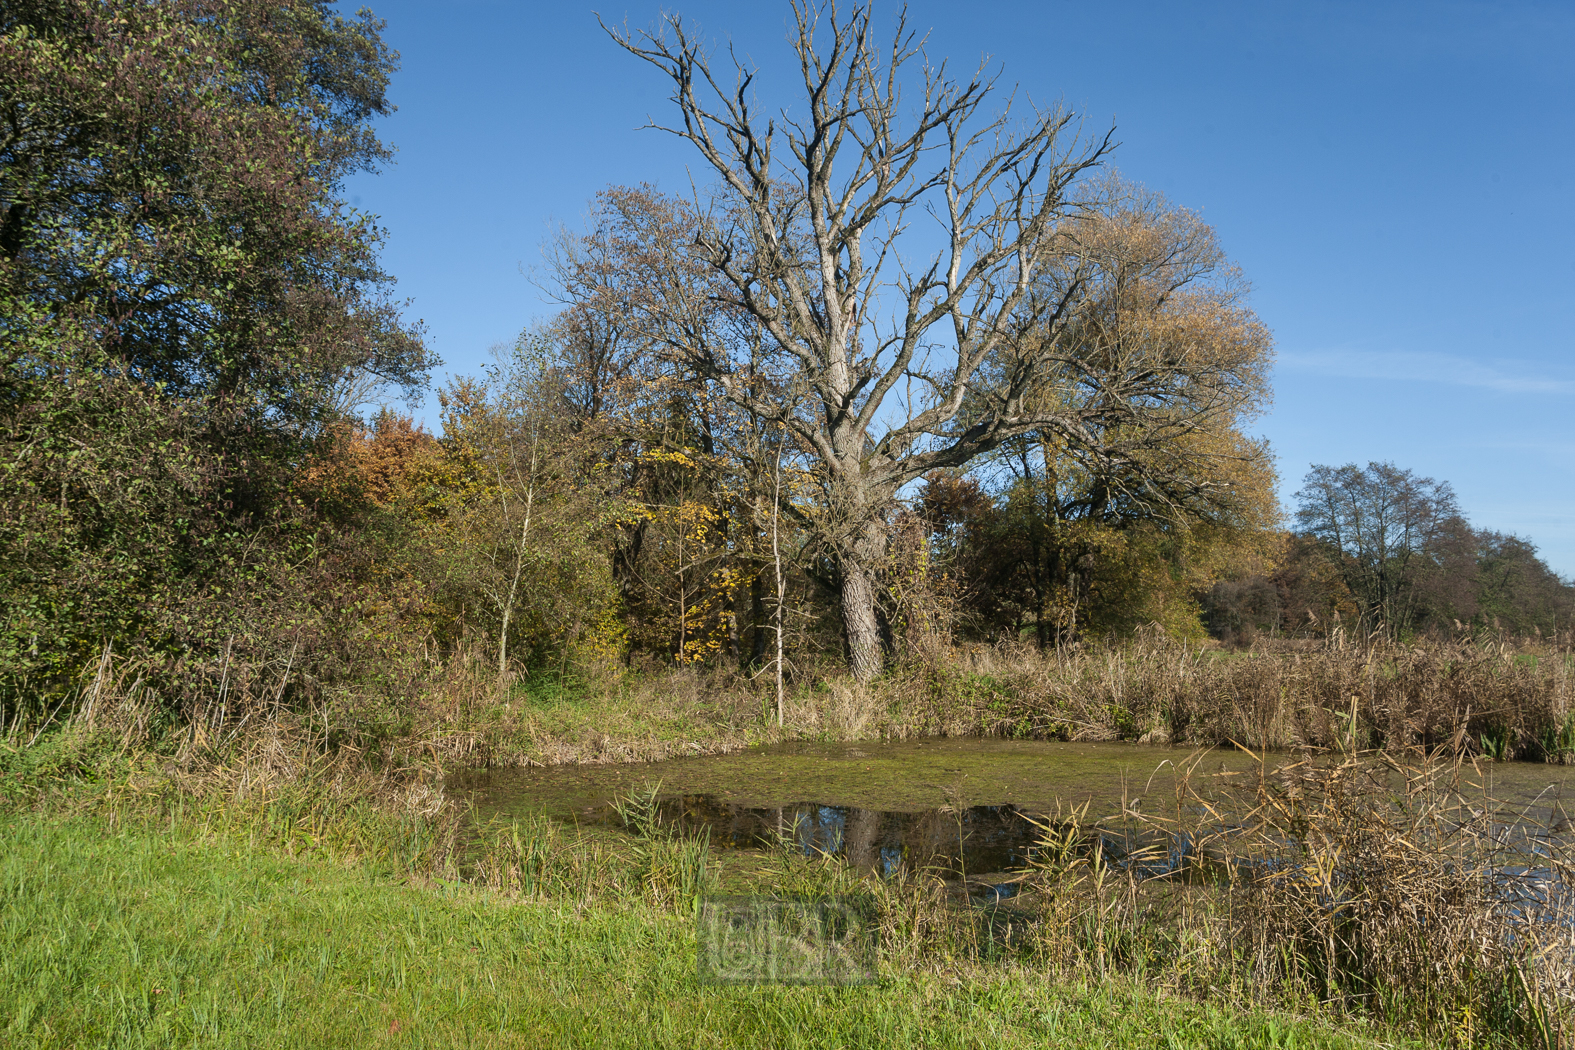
[156,936]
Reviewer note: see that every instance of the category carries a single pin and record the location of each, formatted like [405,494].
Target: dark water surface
[966,806]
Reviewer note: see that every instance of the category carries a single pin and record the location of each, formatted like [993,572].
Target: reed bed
[1379,884]
[539,859]
[1516,698]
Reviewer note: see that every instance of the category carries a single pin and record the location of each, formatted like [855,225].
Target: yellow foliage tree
[1102,534]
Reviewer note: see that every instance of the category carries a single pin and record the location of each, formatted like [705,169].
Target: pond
[970,808]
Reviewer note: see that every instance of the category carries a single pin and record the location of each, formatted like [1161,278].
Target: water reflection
[953,842]
[988,846]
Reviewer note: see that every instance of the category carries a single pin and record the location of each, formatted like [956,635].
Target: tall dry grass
[1397,885]
[1371,885]
[1378,695]
[1513,701]
[239,759]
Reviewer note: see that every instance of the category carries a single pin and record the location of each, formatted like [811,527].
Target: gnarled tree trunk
[860,561]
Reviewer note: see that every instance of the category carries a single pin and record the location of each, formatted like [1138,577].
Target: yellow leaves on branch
[684,458]
[706,623]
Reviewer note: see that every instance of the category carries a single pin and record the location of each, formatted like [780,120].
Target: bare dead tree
[818,251]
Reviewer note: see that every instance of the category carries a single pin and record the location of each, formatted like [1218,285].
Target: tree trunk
[859,564]
[858,617]
[759,621]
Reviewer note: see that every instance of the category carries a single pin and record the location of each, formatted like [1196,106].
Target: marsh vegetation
[1323,882]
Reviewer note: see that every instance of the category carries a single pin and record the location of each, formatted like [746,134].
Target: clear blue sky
[1395,179]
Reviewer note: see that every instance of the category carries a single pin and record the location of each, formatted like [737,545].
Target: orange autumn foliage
[357,466]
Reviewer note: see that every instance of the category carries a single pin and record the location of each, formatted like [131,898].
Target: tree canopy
[882,365]
[769,420]
[184,298]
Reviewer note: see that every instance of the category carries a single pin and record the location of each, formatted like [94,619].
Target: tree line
[907,369]
[1382,549]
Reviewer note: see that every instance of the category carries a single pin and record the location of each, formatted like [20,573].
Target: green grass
[550,687]
[159,938]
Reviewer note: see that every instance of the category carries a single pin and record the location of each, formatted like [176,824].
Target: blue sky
[1396,180]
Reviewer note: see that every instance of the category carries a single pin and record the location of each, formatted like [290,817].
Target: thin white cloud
[1507,377]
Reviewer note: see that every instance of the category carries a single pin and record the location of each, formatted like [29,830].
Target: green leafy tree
[524,525]
[698,471]
[184,298]
[1516,590]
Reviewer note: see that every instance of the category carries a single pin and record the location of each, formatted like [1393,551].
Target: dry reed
[1389,696]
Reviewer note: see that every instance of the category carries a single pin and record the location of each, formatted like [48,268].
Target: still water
[965,807]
